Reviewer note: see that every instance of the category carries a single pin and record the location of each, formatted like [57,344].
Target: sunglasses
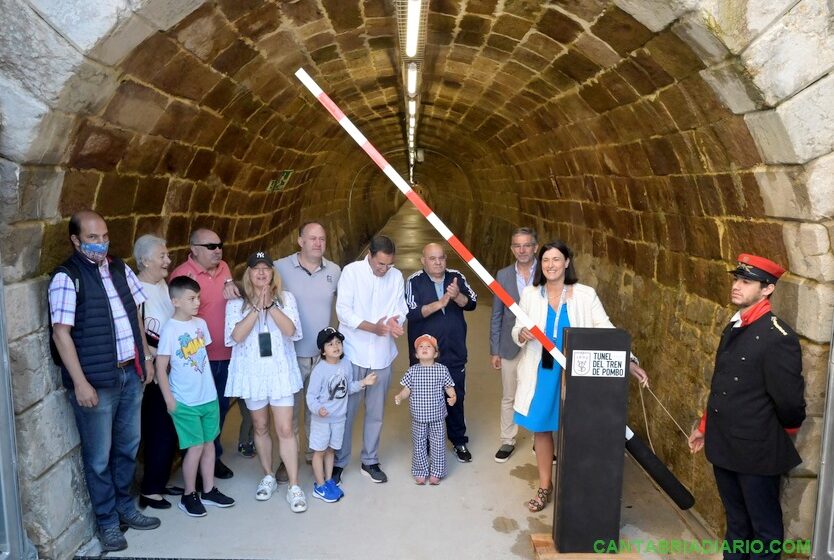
[210,246]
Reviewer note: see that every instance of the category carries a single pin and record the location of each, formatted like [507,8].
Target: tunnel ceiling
[567,114]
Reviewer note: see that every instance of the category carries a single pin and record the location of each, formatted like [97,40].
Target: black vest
[94,333]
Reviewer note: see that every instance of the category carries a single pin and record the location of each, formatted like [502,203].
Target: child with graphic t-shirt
[190,394]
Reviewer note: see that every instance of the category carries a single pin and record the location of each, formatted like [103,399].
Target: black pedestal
[591,442]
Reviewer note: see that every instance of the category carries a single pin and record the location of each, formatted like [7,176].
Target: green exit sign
[280,183]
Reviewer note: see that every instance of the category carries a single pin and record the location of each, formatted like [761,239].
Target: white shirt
[364,296]
[158,308]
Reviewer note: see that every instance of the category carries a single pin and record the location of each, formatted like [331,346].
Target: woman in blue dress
[555,300]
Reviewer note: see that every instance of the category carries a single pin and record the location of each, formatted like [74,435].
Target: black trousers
[455,423]
[753,511]
[159,439]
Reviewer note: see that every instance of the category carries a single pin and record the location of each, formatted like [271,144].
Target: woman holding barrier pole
[557,301]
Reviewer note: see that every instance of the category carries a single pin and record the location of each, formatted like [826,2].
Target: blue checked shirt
[62,300]
[427,402]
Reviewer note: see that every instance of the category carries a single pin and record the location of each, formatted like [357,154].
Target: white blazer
[584,310]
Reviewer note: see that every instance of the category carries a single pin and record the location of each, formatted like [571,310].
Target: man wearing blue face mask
[99,343]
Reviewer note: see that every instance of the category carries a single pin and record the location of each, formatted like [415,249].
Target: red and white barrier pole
[424,209]
[663,476]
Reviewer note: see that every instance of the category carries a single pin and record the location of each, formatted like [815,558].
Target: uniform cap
[757,268]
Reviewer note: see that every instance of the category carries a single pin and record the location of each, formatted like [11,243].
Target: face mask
[96,252]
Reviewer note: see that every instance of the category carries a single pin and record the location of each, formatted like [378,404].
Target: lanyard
[263,313]
[562,298]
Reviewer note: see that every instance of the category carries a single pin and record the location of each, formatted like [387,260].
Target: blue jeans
[109,435]
[220,373]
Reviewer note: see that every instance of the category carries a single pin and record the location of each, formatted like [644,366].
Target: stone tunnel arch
[661,138]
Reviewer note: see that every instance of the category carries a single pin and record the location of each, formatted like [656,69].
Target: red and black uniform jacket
[757,394]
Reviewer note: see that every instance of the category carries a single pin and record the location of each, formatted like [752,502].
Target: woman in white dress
[260,328]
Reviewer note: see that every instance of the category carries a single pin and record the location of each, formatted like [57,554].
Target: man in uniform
[755,405]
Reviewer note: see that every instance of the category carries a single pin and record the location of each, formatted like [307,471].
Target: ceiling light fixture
[412,30]
[411,79]
[412,107]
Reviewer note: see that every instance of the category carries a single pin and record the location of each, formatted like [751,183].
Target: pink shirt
[212,302]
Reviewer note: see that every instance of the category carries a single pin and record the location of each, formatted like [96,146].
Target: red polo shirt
[212,303]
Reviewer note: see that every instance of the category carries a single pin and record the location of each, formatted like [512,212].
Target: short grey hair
[143,247]
[526,231]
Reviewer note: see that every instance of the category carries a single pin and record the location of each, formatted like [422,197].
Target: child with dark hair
[330,384]
[190,395]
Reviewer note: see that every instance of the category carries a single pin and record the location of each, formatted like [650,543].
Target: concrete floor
[477,512]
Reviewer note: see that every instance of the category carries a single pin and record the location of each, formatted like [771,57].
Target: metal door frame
[823,541]
[15,544]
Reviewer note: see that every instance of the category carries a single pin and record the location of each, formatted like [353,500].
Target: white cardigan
[584,310]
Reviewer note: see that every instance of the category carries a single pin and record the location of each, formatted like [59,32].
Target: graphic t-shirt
[190,376]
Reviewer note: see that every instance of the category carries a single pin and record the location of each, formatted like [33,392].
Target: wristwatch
[228,281]
[148,358]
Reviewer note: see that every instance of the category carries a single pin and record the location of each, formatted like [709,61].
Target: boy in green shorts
[190,394]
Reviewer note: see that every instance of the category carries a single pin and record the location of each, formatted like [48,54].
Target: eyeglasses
[523,245]
[210,246]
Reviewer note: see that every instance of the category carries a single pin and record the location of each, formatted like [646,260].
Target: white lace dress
[259,378]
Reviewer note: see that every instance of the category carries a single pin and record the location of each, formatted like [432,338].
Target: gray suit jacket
[502,322]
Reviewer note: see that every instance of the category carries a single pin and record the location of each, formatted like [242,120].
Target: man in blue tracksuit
[436,299]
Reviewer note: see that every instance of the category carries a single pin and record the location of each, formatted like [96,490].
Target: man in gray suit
[503,351]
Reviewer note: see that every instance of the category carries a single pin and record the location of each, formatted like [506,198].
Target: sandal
[541,499]
[421,480]
[434,480]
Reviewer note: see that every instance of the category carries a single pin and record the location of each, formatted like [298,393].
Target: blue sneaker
[324,493]
[335,488]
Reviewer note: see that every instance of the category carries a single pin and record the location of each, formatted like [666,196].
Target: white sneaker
[296,499]
[266,487]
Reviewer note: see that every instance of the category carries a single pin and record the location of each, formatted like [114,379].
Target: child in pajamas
[425,384]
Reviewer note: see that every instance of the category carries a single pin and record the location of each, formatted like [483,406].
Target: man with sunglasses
[205,264]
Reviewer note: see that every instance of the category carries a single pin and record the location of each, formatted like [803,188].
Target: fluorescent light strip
[411,78]
[412,30]
[412,107]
